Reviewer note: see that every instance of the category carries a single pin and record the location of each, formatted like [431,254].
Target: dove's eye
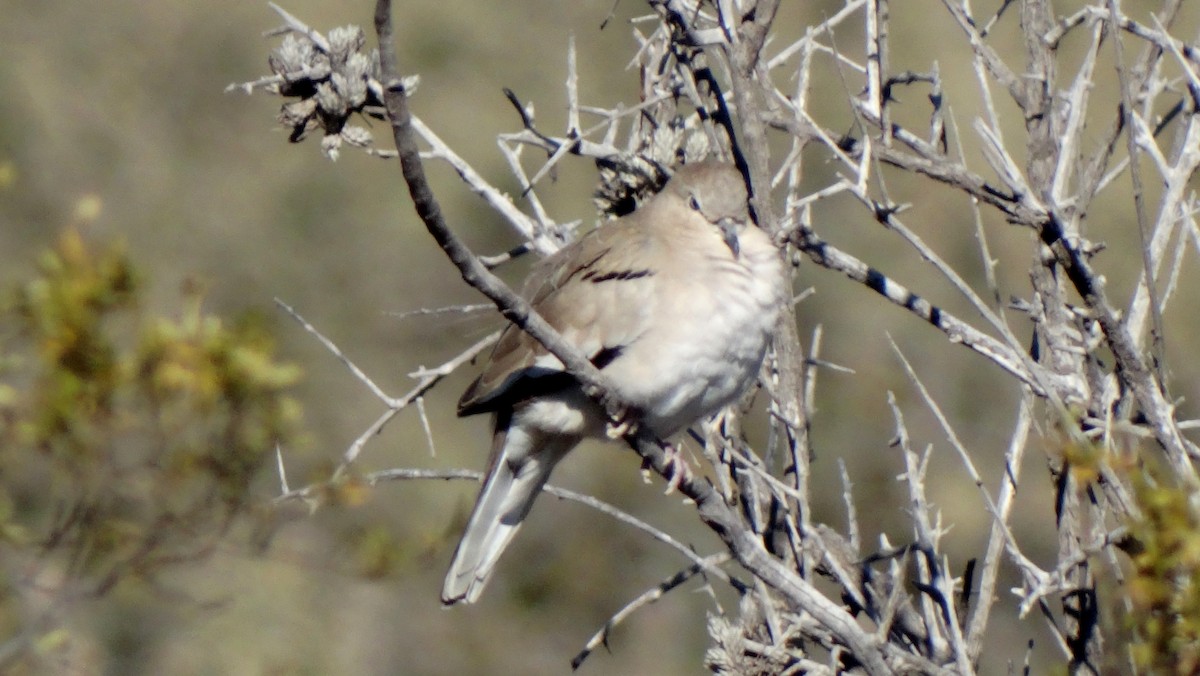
[693,203]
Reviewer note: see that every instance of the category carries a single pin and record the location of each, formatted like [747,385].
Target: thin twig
[336,351]
[644,599]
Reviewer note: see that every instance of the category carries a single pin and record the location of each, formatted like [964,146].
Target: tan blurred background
[122,102]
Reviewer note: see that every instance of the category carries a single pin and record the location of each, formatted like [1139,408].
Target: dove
[675,303]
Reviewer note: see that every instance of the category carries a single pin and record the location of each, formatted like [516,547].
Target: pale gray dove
[674,302]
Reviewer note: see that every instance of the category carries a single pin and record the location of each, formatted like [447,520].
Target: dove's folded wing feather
[597,293]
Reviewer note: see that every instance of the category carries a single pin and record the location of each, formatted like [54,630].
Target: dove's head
[716,191]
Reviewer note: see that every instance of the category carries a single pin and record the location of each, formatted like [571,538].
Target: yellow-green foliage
[1164,589]
[127,442]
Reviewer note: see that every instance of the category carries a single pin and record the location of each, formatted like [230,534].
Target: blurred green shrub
[1164,590]
[128,442]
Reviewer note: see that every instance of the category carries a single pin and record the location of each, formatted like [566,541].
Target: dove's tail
[519,467]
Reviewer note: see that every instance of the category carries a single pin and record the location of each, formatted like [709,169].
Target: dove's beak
[729,233]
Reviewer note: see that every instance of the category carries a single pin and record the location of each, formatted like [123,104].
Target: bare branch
[646,598]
